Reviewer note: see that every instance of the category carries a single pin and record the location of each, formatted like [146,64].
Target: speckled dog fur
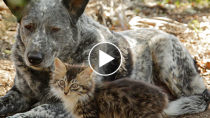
[148,54]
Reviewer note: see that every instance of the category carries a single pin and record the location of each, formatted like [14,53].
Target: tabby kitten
[123,98]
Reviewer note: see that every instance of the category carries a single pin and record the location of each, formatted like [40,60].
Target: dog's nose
[35,58]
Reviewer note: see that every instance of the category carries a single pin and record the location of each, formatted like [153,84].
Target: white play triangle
[104,58]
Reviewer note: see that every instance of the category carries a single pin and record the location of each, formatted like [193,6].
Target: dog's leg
[45,111]
[14,102]
[143,64]
[176,68]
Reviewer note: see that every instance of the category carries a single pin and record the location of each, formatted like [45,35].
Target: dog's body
[54,28]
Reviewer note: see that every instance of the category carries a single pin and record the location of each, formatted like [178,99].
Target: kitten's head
[72,81]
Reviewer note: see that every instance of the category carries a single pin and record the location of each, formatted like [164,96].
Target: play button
[105,58]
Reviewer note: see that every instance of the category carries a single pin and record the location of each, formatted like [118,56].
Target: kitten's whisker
[42,94]
[46,95]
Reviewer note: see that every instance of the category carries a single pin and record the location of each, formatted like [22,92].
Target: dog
[50,29]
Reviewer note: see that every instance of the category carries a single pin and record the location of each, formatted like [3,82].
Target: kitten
[123,98]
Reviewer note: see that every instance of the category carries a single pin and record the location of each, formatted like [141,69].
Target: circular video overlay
[105,58]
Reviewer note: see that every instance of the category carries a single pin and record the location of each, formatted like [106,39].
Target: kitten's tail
[191,104]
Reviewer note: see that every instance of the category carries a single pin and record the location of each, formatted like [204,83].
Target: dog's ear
[75,8]
[16,7]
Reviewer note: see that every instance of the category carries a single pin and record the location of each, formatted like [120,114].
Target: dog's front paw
[206,95]
[3,108]
[19,115]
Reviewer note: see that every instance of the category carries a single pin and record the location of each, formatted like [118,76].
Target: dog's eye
[29,27]
[74,85]
[62,83]
[55,29]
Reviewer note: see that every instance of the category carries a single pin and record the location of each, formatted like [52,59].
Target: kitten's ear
[17,7]
[60,66]
[75,8]
[86,74]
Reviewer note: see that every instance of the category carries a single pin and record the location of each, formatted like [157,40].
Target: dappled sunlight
[7,74]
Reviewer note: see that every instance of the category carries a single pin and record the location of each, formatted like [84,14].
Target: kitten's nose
[66,90]
[66,93]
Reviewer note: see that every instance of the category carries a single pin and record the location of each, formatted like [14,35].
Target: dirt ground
[195,36]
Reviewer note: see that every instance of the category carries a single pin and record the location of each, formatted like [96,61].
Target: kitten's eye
[62,82]
[56,29]
[74,85]
[29,27]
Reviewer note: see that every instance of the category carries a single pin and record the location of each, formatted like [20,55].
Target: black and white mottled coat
[58,28]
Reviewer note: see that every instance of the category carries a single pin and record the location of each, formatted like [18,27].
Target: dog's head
[46,28]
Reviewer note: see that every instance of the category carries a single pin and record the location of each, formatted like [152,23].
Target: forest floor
[190,24]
